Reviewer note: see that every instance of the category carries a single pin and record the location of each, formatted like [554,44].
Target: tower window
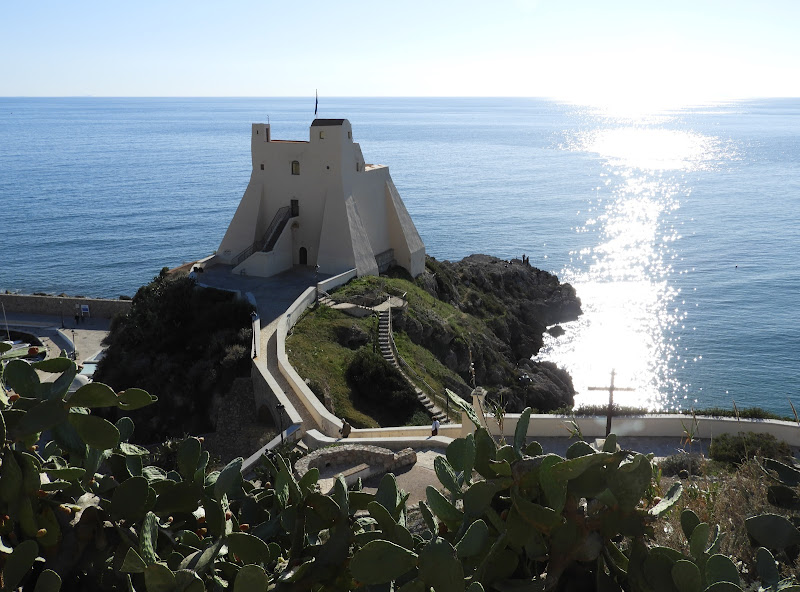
[349,135]
[322,135]
[295,167]
[358,166]
[262,167]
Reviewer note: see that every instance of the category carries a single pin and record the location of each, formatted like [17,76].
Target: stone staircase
[387,349]
[384,337]
[385,343]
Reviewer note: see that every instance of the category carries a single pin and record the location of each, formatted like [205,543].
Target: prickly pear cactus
[81,503]
[529,521]
[52,448]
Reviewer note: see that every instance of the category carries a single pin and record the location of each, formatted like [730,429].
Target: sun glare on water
[624,279]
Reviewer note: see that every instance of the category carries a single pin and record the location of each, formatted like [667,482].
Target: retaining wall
[315,439]
[56,305]
[337,280]
[327,421]
[268,395]
[649,426]
[418,432]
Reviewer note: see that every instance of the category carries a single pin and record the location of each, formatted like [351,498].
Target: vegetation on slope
[729,493]
[323,345]
[183,344]
[481,314]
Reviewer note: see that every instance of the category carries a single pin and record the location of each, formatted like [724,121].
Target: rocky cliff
[515,303]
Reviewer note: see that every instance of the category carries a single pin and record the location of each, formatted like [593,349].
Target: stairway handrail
[263,240]
[431,391]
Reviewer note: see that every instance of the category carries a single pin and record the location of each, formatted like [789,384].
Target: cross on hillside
[610,388]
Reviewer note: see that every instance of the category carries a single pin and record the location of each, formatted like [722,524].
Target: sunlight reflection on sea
[631,308]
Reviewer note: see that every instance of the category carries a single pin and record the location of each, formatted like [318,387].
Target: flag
[316,103]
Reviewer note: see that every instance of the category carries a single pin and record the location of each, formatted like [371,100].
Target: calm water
[680,230]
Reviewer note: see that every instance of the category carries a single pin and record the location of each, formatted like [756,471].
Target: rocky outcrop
[511,305]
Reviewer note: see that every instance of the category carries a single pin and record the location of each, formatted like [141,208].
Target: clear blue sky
[678,49]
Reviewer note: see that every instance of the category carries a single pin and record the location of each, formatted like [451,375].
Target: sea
[679,228]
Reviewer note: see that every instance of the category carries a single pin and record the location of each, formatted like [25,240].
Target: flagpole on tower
[316,101]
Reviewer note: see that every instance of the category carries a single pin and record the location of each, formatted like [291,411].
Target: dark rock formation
[353,336]
[514,303]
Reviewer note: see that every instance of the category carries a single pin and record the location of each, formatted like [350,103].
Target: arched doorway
[303,256]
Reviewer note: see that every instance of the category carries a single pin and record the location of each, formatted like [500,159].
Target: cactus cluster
[88,509]
[529,521]
[53,499]
[776,532]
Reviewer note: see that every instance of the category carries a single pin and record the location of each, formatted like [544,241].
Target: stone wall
[56,305]
[355,454]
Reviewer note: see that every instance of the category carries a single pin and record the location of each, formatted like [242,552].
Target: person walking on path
[346,427]
[435,427]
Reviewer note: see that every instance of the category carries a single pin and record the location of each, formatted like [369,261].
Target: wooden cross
[610,388]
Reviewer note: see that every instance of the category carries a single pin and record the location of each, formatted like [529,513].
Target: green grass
[314,351]
[424,363]
[420,304]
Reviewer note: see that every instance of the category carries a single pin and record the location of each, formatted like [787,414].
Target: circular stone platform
[353,462]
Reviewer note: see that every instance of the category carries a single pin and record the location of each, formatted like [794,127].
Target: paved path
[269,344]
[273,294]
[88,334]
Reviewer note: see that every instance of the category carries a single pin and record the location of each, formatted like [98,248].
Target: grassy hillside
[324,343]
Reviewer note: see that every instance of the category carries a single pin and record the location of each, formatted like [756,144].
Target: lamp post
[280,408]
[61,309]
[74,350]
[253,319]
[316,283]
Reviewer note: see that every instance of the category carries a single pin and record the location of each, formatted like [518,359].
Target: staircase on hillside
[384,337]
[325,299]
[386,343]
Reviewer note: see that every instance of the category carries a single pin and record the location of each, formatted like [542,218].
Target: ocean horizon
[679,229]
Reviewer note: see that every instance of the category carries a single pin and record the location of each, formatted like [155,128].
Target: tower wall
[345,217]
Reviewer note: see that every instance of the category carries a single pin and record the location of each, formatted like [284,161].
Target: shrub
[372,377]
[735,449]
[419,418]
[183,344]
[691,463]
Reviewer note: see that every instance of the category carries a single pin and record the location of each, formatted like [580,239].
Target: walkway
[274,295]
[88,334]
[268,361]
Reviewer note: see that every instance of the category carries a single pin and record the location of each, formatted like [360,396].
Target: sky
[605,50]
